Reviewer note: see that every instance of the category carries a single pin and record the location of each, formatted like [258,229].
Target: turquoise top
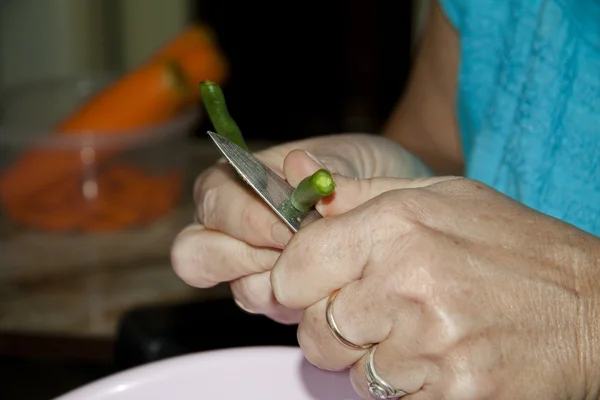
[529,101]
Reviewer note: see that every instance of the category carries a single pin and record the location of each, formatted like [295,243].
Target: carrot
[59,209]
[191,36]
[198,67]
[149,94]
[127,197]
[146,96]
[199,54]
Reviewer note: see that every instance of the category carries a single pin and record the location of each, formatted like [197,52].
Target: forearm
[590,310]
[424,122]
[592,361]
[409,133]
[579,258]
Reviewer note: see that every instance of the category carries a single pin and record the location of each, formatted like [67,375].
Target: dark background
[305,68]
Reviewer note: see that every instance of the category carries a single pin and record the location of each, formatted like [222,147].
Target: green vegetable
[312,189]
[216,107]
[309,191]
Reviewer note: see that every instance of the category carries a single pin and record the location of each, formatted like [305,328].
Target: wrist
[574,311]
[588,289]
[591,339]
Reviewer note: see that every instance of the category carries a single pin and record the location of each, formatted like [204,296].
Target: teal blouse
[529,101]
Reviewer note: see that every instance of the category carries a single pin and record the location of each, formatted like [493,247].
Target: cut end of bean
[207,83]
[312,189]
[209,89]
[323,182]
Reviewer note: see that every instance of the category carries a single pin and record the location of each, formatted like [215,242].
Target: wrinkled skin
[238,238]
[470,294]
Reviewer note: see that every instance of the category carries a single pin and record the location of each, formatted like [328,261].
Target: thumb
[349,192]
[299,164]
[352,192]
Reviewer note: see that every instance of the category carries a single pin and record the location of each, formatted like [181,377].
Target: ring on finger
[378,387]
[334,328]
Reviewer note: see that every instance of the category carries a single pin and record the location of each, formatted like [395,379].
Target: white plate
[253,373]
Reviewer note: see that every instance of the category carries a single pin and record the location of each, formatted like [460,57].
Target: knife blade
[272,188]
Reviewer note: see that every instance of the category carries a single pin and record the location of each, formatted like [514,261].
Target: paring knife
[272,188]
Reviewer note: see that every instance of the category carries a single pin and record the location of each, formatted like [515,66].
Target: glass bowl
[89,182]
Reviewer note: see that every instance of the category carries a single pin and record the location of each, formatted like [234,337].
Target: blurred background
[82,300]
[332,66]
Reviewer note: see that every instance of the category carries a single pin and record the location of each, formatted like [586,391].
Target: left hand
[469,294]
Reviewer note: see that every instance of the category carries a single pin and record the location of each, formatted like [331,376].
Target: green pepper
[312,189]
[216,107]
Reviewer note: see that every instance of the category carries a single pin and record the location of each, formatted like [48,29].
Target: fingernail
[315,159]
[281,233]
[241,306]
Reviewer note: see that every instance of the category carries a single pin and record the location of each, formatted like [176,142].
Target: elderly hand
[467,294]
[238,238]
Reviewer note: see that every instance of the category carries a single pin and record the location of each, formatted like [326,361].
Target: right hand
[237,238]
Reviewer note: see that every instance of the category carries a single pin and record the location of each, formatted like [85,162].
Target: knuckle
[420,236]
[412,206]
[311,346]
[207,212]
[262,259]
[463,383]
[414,202]
[446,339]
[277,286]
[283,293]
[189,262]
[420,281]
[199,185]
[251,219]
[317,345]
[207,189]
[284,282]
[358,381]
[252,296]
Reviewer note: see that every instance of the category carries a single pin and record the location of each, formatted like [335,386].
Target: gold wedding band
[335,330]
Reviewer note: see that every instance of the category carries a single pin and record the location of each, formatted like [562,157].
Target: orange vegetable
[188,38]
[40,211]
[148,95]
[127,197]
[197,51]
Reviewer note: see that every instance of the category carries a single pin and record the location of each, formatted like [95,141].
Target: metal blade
[272,188]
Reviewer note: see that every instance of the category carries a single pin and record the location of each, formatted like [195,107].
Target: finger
[350,192]
[254,295]
[411,375]
[227,205]
[299,164]
[204,258]
[321,257]
[364,313]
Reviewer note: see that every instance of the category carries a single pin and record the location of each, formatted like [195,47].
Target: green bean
[216,107]
[312,189]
